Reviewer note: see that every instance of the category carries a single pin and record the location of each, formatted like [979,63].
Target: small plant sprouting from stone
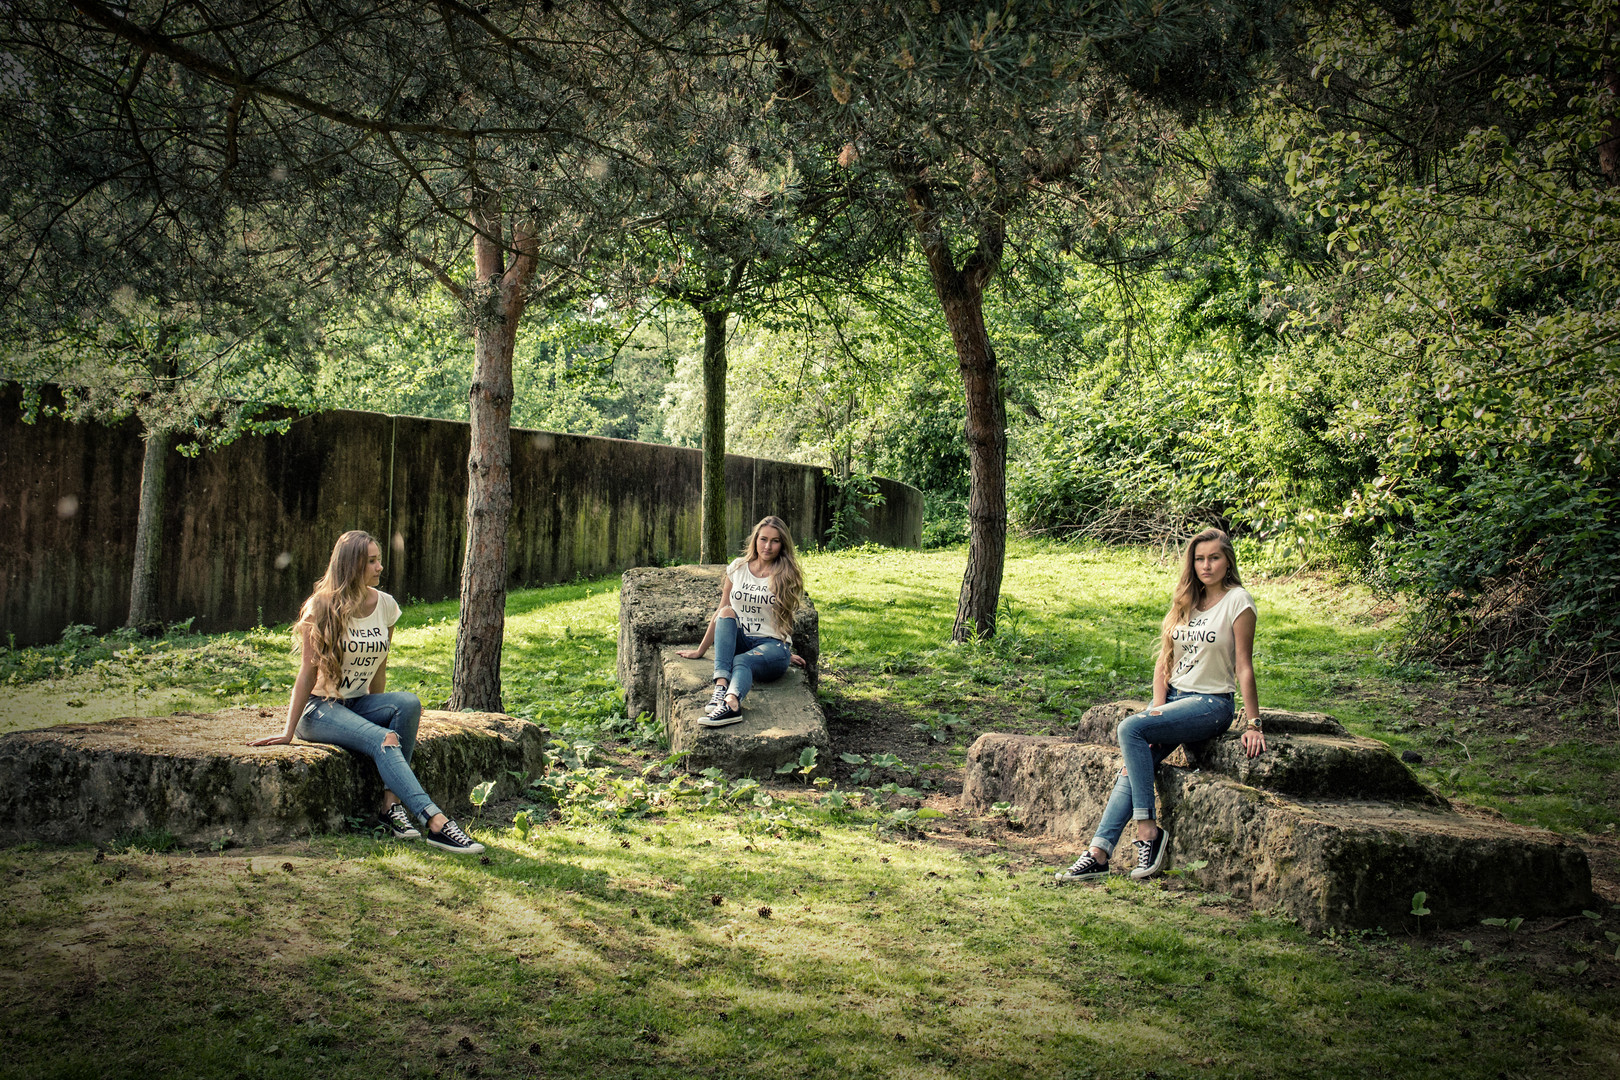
[479,795]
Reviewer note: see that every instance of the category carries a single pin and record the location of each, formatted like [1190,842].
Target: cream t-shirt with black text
[365,647]
[754,601]
[1203,650]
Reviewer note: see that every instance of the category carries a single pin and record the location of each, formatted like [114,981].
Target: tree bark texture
[961,295]
[1609,149]
[712,546]
[143,588]
[499,295]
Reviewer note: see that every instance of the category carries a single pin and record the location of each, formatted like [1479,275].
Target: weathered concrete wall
[249,527]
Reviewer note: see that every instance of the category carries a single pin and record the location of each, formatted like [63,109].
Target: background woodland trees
[1340,277]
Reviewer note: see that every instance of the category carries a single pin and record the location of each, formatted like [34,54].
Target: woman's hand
[271,740]
[795,659]
[1254,741]
[692,654]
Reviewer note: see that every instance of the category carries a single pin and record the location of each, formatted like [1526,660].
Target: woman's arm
[302,686]
[379,681]
[1161,682]
[708,632]
[1254,741]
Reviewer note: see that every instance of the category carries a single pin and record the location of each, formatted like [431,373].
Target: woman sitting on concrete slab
[752,631]
[1206,652]
[344,633]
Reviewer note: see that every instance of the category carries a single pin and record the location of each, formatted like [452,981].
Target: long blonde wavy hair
[1190,591]
[339,595]
[787,580]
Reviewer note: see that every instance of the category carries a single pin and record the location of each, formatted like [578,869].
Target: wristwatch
[1255,724]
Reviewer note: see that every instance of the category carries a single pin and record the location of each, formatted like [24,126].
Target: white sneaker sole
[709,721]
[472,849]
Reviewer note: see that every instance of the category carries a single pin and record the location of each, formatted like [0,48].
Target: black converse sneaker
[1085,868]
[1150,856]
[397,823]
[722,716]
[717,700]
[451,838]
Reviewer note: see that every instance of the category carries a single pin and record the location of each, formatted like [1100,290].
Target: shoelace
[453,832]
[1144,854]
[1085,864]
[397,815]
[718,697]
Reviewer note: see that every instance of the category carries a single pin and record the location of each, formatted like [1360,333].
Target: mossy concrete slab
[1099,722]
[193,775]
[1327,860]
[780,719]
[672,605]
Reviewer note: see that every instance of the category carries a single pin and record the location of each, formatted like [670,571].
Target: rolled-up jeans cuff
[1103,845]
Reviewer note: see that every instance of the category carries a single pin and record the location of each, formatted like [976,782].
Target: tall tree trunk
[712,548]
[1609,149]
[143,587]
[986,431]
[961,295]
[476,680]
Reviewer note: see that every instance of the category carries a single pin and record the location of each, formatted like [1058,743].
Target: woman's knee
[1131,726]
[726,613]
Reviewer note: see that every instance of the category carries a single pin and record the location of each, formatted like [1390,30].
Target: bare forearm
[708,638]
[302,687]
[1251,694]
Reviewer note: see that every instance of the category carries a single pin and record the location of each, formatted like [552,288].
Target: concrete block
[1098,723]
[195,776]
[672,605]
[1343,862]
[779,720]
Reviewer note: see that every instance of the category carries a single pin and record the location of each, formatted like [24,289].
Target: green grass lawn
[762,933]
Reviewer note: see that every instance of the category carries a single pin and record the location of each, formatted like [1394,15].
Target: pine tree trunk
[712,548]
[961,295]
[1609,149]
[143,588]
[987,461]
[476,681]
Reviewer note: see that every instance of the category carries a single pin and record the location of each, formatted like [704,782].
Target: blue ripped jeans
[360,724]
[1147,738]
[740,659]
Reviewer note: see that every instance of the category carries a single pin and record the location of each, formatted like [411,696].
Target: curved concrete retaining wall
[248,528]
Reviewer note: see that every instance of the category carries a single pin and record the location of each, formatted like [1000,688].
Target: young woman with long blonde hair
[752,630]
[341,694]
[1206,652]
